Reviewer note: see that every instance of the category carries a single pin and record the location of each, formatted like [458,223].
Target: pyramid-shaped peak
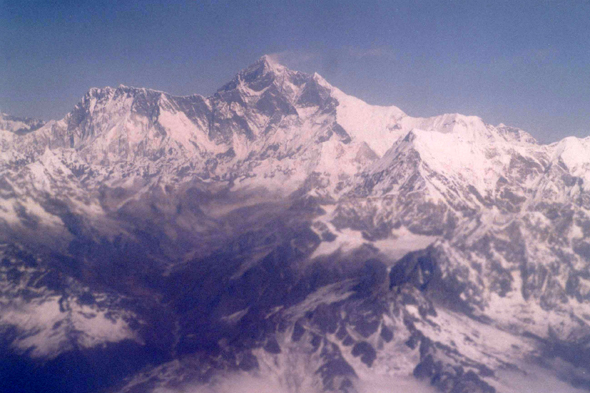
[270,61]
[264,65]
[260,74]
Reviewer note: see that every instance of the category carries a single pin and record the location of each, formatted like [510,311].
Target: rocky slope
[283,231]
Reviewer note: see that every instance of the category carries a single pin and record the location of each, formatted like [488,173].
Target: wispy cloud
[529,58]
[362,53]
[292,58]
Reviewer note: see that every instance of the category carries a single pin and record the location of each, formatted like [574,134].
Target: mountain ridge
[281,220]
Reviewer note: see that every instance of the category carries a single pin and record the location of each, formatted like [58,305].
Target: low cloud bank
[244,383]
[536,379]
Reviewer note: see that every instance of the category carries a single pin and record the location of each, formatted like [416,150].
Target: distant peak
[264,70]
[270,60]
[267,63]
[18,124]
[128,88]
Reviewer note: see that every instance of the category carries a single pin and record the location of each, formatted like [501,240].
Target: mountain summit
[282,229]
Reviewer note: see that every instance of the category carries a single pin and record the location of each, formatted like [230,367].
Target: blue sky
[523,63]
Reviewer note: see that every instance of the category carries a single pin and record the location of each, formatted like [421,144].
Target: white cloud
[247,383]
[535,380]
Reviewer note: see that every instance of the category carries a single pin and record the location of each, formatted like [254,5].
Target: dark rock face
[451,380]
[335,371]
[365,351]
[272,346]
[386,334]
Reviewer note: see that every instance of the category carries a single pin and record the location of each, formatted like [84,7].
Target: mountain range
[283,231]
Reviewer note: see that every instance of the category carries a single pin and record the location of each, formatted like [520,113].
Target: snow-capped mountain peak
[283,222]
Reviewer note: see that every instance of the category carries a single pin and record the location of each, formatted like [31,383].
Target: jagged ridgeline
[281,234]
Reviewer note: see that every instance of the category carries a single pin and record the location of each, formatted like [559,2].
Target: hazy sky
[524,63]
